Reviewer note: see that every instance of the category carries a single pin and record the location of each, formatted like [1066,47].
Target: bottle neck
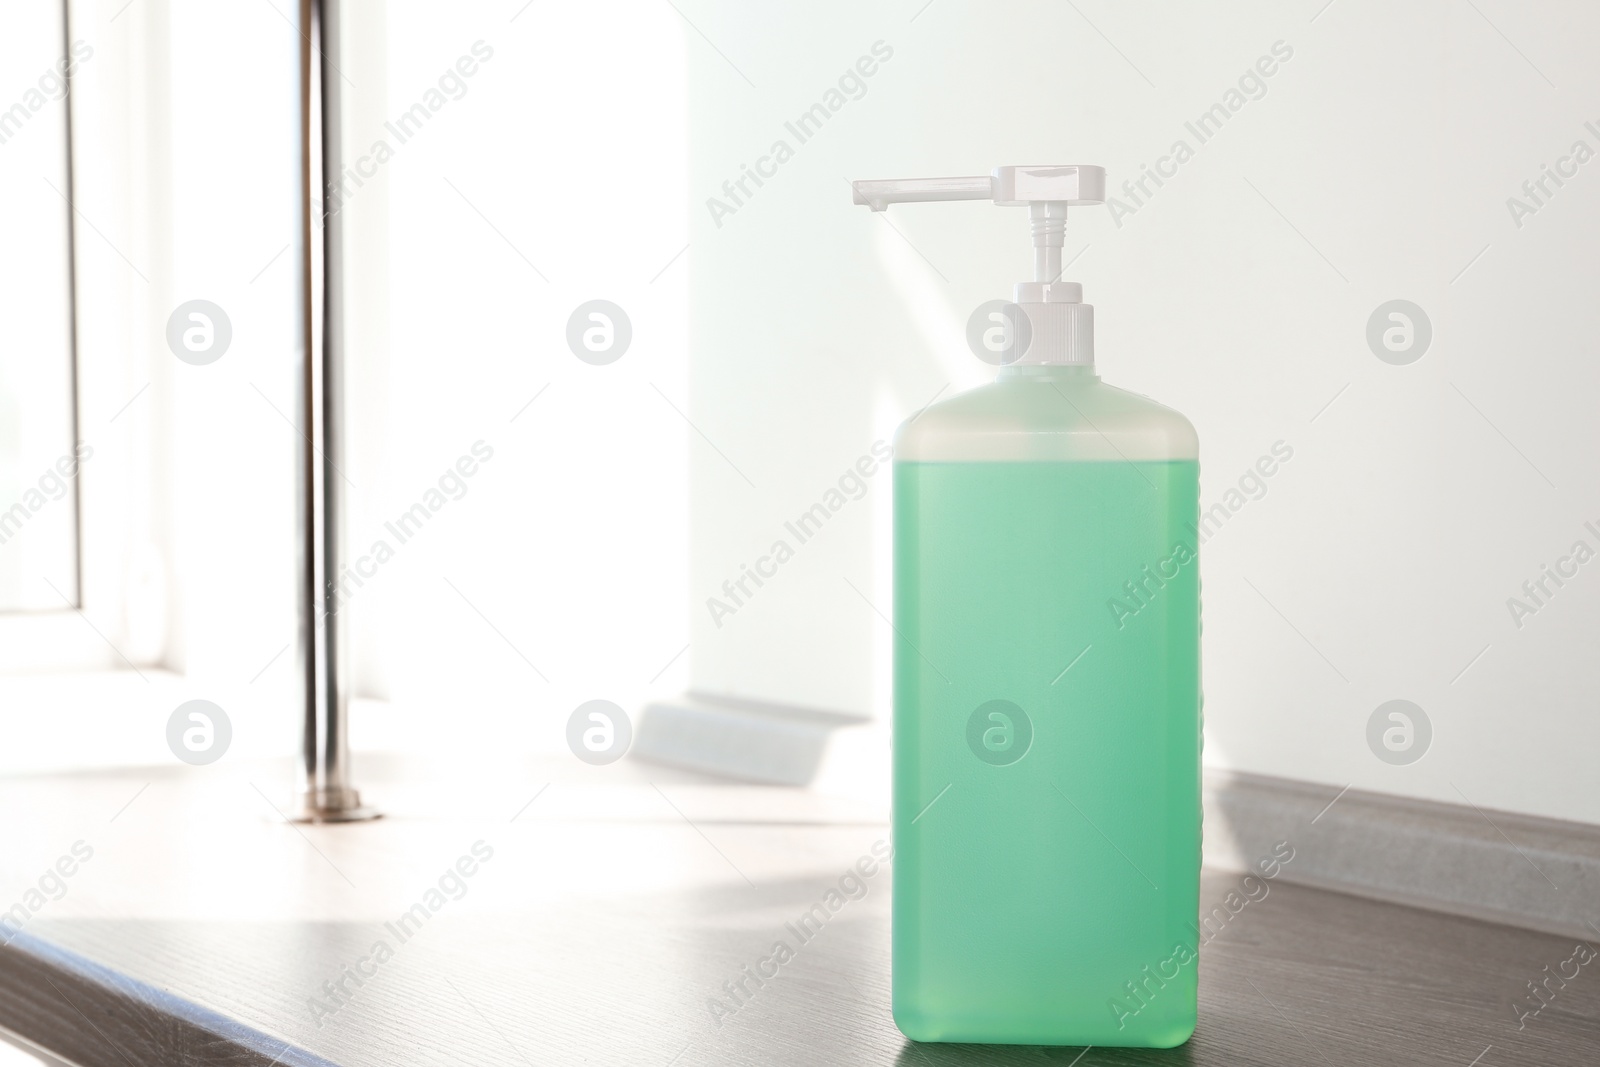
[1048,372]
[1061,331]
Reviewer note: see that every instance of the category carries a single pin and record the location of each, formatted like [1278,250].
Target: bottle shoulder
[1046,418]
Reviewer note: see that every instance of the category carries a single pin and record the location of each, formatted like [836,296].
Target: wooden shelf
[203,928]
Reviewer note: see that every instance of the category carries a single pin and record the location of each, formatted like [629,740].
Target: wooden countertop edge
[93,1015]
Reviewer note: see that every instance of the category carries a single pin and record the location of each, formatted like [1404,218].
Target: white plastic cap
[1077,186]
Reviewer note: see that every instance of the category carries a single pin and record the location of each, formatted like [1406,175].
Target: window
[39,455]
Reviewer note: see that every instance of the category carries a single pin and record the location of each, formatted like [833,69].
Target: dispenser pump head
[1061,325]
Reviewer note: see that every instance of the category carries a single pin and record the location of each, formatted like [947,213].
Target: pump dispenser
[1047,679]
[1062,325]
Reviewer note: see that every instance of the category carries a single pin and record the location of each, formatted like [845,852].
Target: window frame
[94,631]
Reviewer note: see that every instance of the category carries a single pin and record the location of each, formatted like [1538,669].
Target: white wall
[1376,165]
[551,176]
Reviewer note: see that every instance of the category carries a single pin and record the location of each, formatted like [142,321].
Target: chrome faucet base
[334,806]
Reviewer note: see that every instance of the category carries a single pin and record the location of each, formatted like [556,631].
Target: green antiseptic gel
[1047,679]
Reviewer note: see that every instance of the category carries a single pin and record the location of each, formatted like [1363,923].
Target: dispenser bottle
[1047,679]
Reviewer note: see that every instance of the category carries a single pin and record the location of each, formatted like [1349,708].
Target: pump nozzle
[1007,187]
[1060,334]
